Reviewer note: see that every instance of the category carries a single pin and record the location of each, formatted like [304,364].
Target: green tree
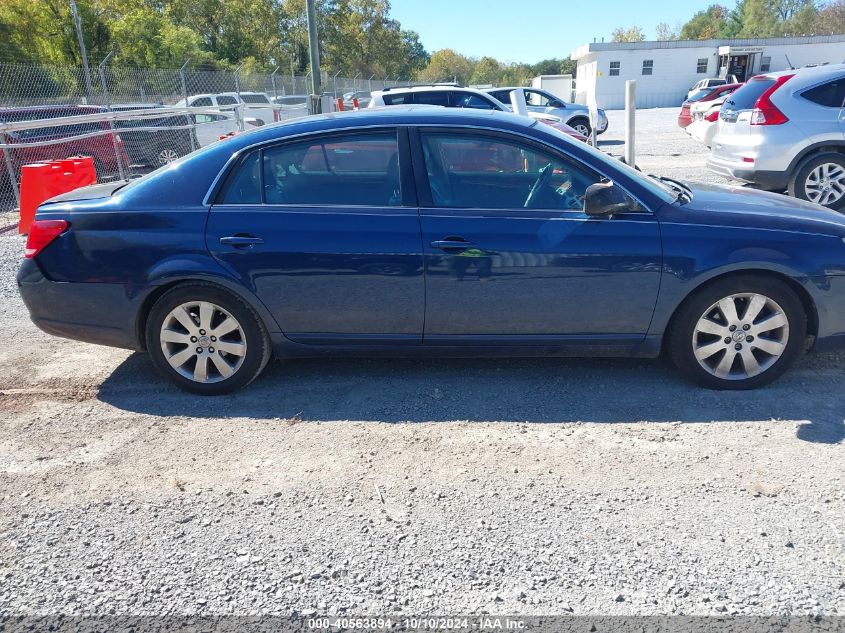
[706,24]
[630,34]
[831,19]
[446,65]
[760,19]
[486,71]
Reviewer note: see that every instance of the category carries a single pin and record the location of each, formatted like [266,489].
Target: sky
[528,31]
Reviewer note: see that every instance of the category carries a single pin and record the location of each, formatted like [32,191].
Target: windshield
[657,188]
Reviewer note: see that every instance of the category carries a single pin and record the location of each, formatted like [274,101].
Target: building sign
[740,50]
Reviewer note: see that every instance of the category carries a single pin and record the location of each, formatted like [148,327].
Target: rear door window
[338,170]
[226,100]
[255,99]
[202,102]
[829,95]
[435,97]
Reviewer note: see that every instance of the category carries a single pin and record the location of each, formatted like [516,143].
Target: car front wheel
[821,180]
[206,340]
[738,333]
[582,126]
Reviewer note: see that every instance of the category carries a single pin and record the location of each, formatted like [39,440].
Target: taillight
[41,233]
[765,112]
[712,116]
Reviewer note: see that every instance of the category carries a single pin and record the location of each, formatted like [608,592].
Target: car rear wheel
[206,340]
[821,180]
[738,333]
[582,126]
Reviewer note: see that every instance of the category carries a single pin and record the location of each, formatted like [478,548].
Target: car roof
[426,88]
[425,115]
[809,72]
[136,106]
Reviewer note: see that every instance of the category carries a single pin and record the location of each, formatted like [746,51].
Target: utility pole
[77,22]
[314,53]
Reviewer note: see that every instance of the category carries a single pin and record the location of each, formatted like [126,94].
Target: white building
[665,71]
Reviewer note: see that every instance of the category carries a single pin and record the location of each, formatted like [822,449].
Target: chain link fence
[130,145]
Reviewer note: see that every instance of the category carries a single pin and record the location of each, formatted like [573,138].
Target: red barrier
[42,181]
[355,104]
[340,104]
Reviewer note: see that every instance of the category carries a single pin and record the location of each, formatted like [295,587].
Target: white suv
[786,130]
[451,96]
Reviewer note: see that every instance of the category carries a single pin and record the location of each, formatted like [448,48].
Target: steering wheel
[537,187]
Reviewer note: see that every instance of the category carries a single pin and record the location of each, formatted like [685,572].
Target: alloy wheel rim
[203,342]
[582,129]
[740,336]
[825,184]
[166,156]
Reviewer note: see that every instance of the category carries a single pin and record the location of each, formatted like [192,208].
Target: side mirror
[605,198]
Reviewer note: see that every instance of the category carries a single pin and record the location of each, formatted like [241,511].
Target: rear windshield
[255,99]
[745,97]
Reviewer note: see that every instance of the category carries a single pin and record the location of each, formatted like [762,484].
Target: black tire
[581,125]
[258,348]
[681,343]
[798,182]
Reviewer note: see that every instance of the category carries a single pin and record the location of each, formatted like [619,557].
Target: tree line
[749,18]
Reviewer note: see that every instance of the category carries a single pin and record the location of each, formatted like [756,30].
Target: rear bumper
[773,180]
[100,313]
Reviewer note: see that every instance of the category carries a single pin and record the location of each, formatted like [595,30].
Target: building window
[701,68]
[765,64]
[648,66]
[614,68]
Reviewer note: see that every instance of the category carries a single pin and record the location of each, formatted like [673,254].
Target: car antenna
[791,67]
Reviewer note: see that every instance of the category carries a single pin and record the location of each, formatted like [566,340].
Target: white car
[210,127]
[711,82]
[705,120]
[253,102]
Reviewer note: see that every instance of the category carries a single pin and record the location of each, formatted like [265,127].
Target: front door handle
[241,240]
[452,244]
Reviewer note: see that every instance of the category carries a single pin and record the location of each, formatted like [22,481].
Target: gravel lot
[430,487]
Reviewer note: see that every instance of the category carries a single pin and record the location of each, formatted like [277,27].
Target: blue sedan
[429,231]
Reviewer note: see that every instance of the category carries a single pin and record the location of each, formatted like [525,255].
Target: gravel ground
[417,487]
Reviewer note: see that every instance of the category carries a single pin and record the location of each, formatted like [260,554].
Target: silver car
[786,131]
[574,115]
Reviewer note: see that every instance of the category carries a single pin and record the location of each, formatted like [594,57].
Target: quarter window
[490,172]
[361,169]
[648,66]
[701,67]
[202,102]
[614,68]
[244,185]
[225,100]
[830,95]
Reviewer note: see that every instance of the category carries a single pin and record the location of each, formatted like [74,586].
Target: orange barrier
[355,104]
[340,104]
[42,181]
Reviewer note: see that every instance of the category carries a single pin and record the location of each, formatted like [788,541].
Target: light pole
[314,54]
[77,22]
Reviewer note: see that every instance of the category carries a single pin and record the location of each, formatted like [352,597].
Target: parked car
[786,130]
[78,139]
[254,102]
[575,115]
[155,141]
[704,95]
[452,96]
[227,102]
[711,82]
[705,118]
[433,231]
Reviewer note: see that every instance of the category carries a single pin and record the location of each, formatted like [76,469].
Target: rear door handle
[241,240]
[452,244]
